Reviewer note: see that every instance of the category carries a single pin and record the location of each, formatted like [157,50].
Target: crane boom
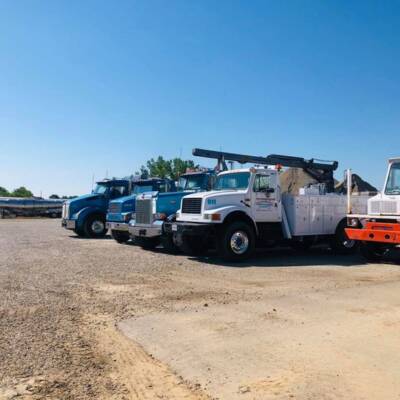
[322,171]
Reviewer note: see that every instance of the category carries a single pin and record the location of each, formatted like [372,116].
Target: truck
[378,230]
[154,209]
[86,215]
[122,210]
[246,209]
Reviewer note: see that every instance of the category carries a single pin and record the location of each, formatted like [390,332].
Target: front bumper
[68,223]
[380,232]
[146,230]
[189,228]
[117,226]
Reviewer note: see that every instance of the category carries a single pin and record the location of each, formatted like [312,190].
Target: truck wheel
[79,232]
[168,244]
[193,245]
[95,226]
[373,252]
[147,243]
[340,243]
[236,241]
[120,237]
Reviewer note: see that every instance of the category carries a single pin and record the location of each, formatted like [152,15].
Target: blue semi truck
[86,215]
[121,210]
[154,208]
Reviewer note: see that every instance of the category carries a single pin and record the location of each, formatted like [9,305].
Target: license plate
[142,232]
[174,227]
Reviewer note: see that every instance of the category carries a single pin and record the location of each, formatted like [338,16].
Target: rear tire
[95,226]
[373,252]
[147,243]
[120,237]
[340,243]
[236,241]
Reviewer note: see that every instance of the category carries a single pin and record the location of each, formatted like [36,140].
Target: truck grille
[144,211]
[114,207]
[191,206]
[383,207]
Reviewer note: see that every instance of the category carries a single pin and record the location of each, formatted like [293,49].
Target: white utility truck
[378,230]
[247,208]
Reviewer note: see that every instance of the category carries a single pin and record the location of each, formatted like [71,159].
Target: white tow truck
[247,208]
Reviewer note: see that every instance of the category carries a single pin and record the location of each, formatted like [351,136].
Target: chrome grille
[383,207]
[191,206]
[114,207]
[144,211]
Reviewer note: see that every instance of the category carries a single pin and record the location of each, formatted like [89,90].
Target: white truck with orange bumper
[378,231]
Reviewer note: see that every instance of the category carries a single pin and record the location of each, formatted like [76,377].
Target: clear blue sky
[90,86]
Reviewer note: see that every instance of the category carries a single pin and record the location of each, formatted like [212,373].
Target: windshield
[234,181]
[393,181]
[191,182]
[100,188]
[142,189]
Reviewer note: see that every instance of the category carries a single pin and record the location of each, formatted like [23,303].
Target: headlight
[353,222]
[213,217]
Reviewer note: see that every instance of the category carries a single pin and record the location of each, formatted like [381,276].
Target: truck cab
[154,209]
[247,208]
[122,210]
[86,215]
[378,231]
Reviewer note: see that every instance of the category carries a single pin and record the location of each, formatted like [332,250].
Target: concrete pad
[309,347]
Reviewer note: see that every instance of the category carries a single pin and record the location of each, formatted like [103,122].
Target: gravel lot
[84,319]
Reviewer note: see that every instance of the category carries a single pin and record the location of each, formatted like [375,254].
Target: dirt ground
[92,319]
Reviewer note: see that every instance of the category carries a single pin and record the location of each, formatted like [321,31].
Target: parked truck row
[234,211]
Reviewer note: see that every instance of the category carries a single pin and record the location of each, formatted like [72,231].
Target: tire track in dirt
[143,377]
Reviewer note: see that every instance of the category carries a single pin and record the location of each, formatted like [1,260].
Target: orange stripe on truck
[381,232]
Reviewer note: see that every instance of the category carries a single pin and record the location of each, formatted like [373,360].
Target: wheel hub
[239,242]
[97,227]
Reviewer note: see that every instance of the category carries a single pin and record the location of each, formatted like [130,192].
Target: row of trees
[162,168]
[19,192]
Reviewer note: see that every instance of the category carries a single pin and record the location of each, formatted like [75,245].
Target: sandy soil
[83,319]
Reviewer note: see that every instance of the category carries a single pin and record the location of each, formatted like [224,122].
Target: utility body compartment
[319,214]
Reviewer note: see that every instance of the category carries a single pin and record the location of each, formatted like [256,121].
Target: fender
[226,211]
[81,215]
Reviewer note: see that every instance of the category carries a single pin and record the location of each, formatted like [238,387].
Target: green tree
[22,192]
[165,168]
[4,192]
[54,196]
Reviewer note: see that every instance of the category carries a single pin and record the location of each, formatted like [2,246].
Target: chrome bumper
[117,226]
[146,230]
[68,223]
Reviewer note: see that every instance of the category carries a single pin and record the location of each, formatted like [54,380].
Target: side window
[118,191]
[162,187]
[262,183]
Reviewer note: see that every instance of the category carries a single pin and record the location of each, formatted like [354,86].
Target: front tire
[95,226]
[236,242]
[373,252]
[168,244]
[120,237]
[340,243]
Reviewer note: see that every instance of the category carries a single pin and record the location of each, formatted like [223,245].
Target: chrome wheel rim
[97,227]
[239,242]
[349,244]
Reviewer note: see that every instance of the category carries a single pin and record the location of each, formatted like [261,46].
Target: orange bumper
[381,232]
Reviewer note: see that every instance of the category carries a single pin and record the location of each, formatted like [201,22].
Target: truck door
[266,202]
